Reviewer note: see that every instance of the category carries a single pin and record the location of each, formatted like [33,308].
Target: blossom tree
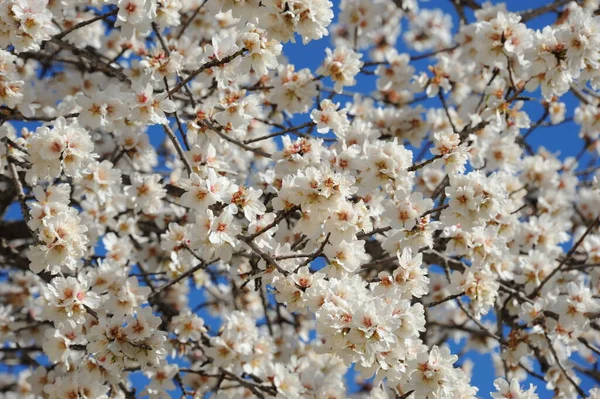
[287,229]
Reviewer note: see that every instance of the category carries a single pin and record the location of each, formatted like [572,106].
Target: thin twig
[86,23]
[562,368]
[203,67]
[178,148]
[567,257]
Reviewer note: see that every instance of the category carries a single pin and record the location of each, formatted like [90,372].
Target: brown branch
[562,368]
[266,257]
[532,13]
[188,22]
[567,257]
[280,216]
[86,23]
[21,196]
[415,57]
[379,262]
[279,133]
[316,254]
[202,68]
[217,130]
[93,59]
[479,324]
[424,163]
[447,111]
[178,148]
[379,230]
[201,266]
[21,117]
[444,300]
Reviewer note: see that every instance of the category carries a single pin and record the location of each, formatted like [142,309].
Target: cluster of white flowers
[61,235]
[342,65]
[12,87]
[553,58]
[25,24]
[179,201]
[65,148]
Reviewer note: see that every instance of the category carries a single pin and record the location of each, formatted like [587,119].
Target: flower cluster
[66,148]
[25,24]
[12,87]
[61,235]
